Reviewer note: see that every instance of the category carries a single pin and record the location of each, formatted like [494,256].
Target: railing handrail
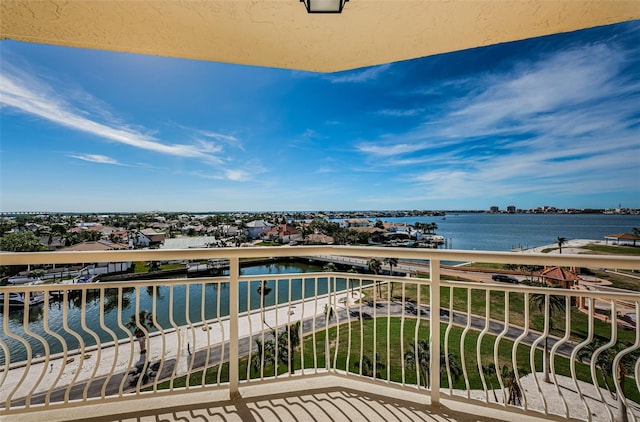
[434,283]
[512,288]
[607,261]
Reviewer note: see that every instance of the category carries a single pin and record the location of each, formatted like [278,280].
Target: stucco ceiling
[279,33]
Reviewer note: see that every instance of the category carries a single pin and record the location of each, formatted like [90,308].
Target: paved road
[219,353]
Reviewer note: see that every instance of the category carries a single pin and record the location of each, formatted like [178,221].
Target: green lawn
[516,309]
[613,250]
[620,281]
[268,243]
[345,346]
[143,266]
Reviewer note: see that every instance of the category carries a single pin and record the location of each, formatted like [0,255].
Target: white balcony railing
[566,353]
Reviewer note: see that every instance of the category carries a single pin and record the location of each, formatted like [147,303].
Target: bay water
[505,232]
[469,231]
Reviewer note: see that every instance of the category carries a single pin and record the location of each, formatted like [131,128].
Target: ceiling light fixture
[324,6]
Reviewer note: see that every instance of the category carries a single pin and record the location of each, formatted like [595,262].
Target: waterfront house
[318,239]
[256,227]
[282,233]
[147,238]
[101,267]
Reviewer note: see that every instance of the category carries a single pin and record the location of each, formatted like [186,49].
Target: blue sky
[546,121]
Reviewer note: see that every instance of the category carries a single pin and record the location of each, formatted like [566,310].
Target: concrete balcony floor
[323,398]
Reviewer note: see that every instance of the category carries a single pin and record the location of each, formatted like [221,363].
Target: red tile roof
[560,273]
[626,236]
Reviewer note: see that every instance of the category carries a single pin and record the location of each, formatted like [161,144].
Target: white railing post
[434,329]
[234,292]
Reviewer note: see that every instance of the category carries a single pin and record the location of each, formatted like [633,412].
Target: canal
[173,305]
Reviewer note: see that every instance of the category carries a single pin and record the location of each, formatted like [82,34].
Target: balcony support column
[234,296]
[434,328]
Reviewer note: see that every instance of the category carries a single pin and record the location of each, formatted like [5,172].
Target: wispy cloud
[97,158]
[357,76]
[325,170]
[23,92]
[387,150]
[400,112]
[233,174]
[237,175]
[227,139]
[554,125]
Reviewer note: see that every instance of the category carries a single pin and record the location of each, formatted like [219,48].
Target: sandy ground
[571,246]
[562,398]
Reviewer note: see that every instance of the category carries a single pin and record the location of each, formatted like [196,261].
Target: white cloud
[554,126]
[357,76]
[228,139]
[97,158]
[389,150]
[237,175]
[23,92]
[400,112]
[325,170]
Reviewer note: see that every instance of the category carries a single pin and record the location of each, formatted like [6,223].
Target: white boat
[434,238]
[18,299]
[85,279]
[20,280]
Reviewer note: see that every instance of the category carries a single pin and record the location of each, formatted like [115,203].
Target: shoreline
[571,246]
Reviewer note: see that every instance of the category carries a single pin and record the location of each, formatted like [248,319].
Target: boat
[18,299]
[20,280]
[85,279]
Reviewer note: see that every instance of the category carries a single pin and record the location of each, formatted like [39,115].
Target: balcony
[422,342]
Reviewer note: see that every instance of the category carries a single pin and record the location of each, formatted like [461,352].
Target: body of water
[504,232]
[205,301]
[469,231]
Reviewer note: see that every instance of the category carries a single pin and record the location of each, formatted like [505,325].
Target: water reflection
[34,314]
[173,305]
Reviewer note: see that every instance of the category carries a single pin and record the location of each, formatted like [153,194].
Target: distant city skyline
[553,120]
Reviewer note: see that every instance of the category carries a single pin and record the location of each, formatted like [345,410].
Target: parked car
[504,278]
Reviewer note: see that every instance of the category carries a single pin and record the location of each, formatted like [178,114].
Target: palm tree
[514,396]
[266,348]
[375,266]
[141,328]
[288,341]
[328,311]
[367,366]
[491,371]
[561,241]
[420,357]
[351,281]
[263,290]
[556,303]
[391,262]
[329,267]
[605,364]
